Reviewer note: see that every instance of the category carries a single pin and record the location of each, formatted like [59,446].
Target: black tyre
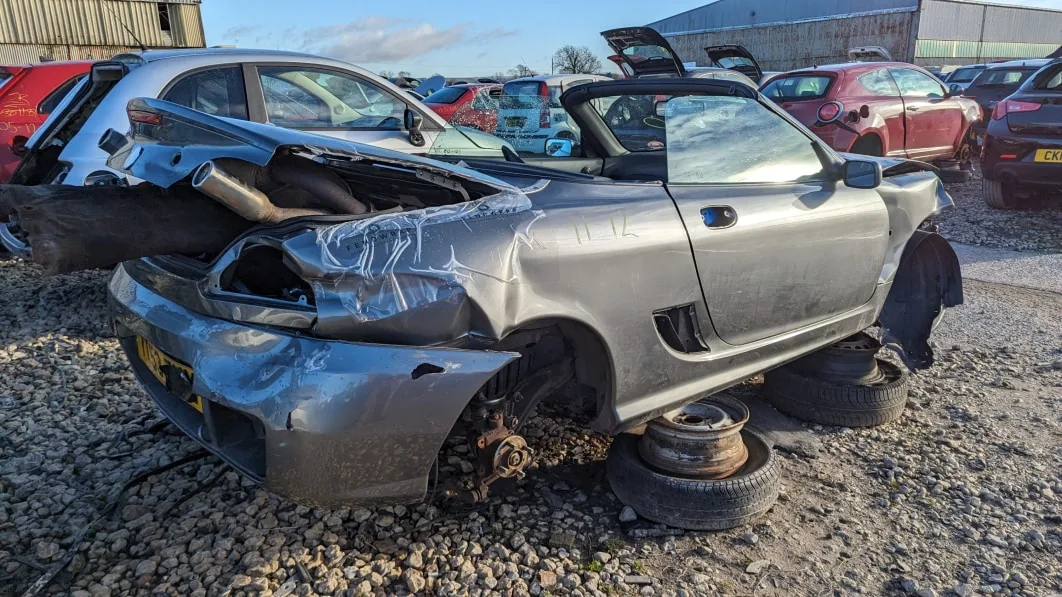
[998,195]
[868,145]
[694,504]
[798,395]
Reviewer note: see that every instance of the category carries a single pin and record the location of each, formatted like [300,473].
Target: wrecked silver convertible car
[696,236]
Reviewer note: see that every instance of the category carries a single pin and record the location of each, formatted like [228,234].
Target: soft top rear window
[3,78]
[1002,77]
[795,88]
[446,95]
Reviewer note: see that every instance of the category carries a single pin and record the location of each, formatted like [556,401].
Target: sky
[455,38]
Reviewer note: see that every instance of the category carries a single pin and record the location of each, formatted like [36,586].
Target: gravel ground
[962,496]
[1038,227]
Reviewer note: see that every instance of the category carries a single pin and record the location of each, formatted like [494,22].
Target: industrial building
[40,30]
[788,34]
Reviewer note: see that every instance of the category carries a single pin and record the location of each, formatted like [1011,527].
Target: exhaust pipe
[247,201]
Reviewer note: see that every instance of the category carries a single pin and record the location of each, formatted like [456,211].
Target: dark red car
[880,109]
[28,94]
[468,104]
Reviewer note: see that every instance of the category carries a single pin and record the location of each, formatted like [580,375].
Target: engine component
[247,201]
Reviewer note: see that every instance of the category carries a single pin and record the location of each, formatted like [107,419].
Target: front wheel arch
[928,280]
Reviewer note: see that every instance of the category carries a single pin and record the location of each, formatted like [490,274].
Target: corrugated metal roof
[99,23]
[747,13]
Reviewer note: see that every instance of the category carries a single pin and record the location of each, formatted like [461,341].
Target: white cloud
[382,39]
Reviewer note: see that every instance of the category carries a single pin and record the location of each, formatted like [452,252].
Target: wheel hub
[848,362]
[700,440]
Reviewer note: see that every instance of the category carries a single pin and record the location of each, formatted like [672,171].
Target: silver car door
[778,243]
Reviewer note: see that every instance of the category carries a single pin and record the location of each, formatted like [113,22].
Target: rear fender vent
[678,328]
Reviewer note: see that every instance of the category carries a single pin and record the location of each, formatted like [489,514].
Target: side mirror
[559,148]
[860,174]
[18,145]
[954,89]
[413,122]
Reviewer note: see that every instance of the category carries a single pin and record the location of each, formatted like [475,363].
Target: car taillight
[543,117]
[830,111]
[1010,106]
[142,117]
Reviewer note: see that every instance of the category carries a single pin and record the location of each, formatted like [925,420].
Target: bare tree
[387,74]
[522,70]
[404,73]
[576,60]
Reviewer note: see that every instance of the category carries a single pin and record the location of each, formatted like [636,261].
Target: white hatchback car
[286,89]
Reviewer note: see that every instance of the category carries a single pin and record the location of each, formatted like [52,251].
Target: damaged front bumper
[320,422]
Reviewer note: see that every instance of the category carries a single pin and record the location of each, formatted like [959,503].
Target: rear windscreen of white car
[797,88]
[446,95]
[526,94]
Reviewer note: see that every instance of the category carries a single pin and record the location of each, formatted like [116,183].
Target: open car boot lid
[737,58]
[869,54]
[644,51]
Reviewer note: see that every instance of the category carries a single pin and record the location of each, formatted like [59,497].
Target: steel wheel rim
[700,440]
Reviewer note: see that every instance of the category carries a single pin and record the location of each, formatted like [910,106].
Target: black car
[998,81]
[1022,151]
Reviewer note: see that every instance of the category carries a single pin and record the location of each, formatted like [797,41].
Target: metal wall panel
[29,53]
[798,45]
[951,20]
[1020,24]
[746,13]
[97,22]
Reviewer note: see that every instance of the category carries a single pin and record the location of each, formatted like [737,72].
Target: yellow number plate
[1048,155]
[159,362]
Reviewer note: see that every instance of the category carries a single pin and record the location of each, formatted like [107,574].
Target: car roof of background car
[1031,63]
[853,67]
[154,55]
[49,64]
[556,78]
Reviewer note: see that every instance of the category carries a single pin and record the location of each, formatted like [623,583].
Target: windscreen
[1003,77]
[964,75]
[446,95]
[797,88]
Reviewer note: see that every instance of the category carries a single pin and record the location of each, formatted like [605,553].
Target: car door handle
[912,108]
[718,216]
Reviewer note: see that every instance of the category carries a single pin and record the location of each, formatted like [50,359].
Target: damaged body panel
[347,346]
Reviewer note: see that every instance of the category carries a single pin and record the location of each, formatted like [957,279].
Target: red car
[879,109]
[468,104]
[28,94]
